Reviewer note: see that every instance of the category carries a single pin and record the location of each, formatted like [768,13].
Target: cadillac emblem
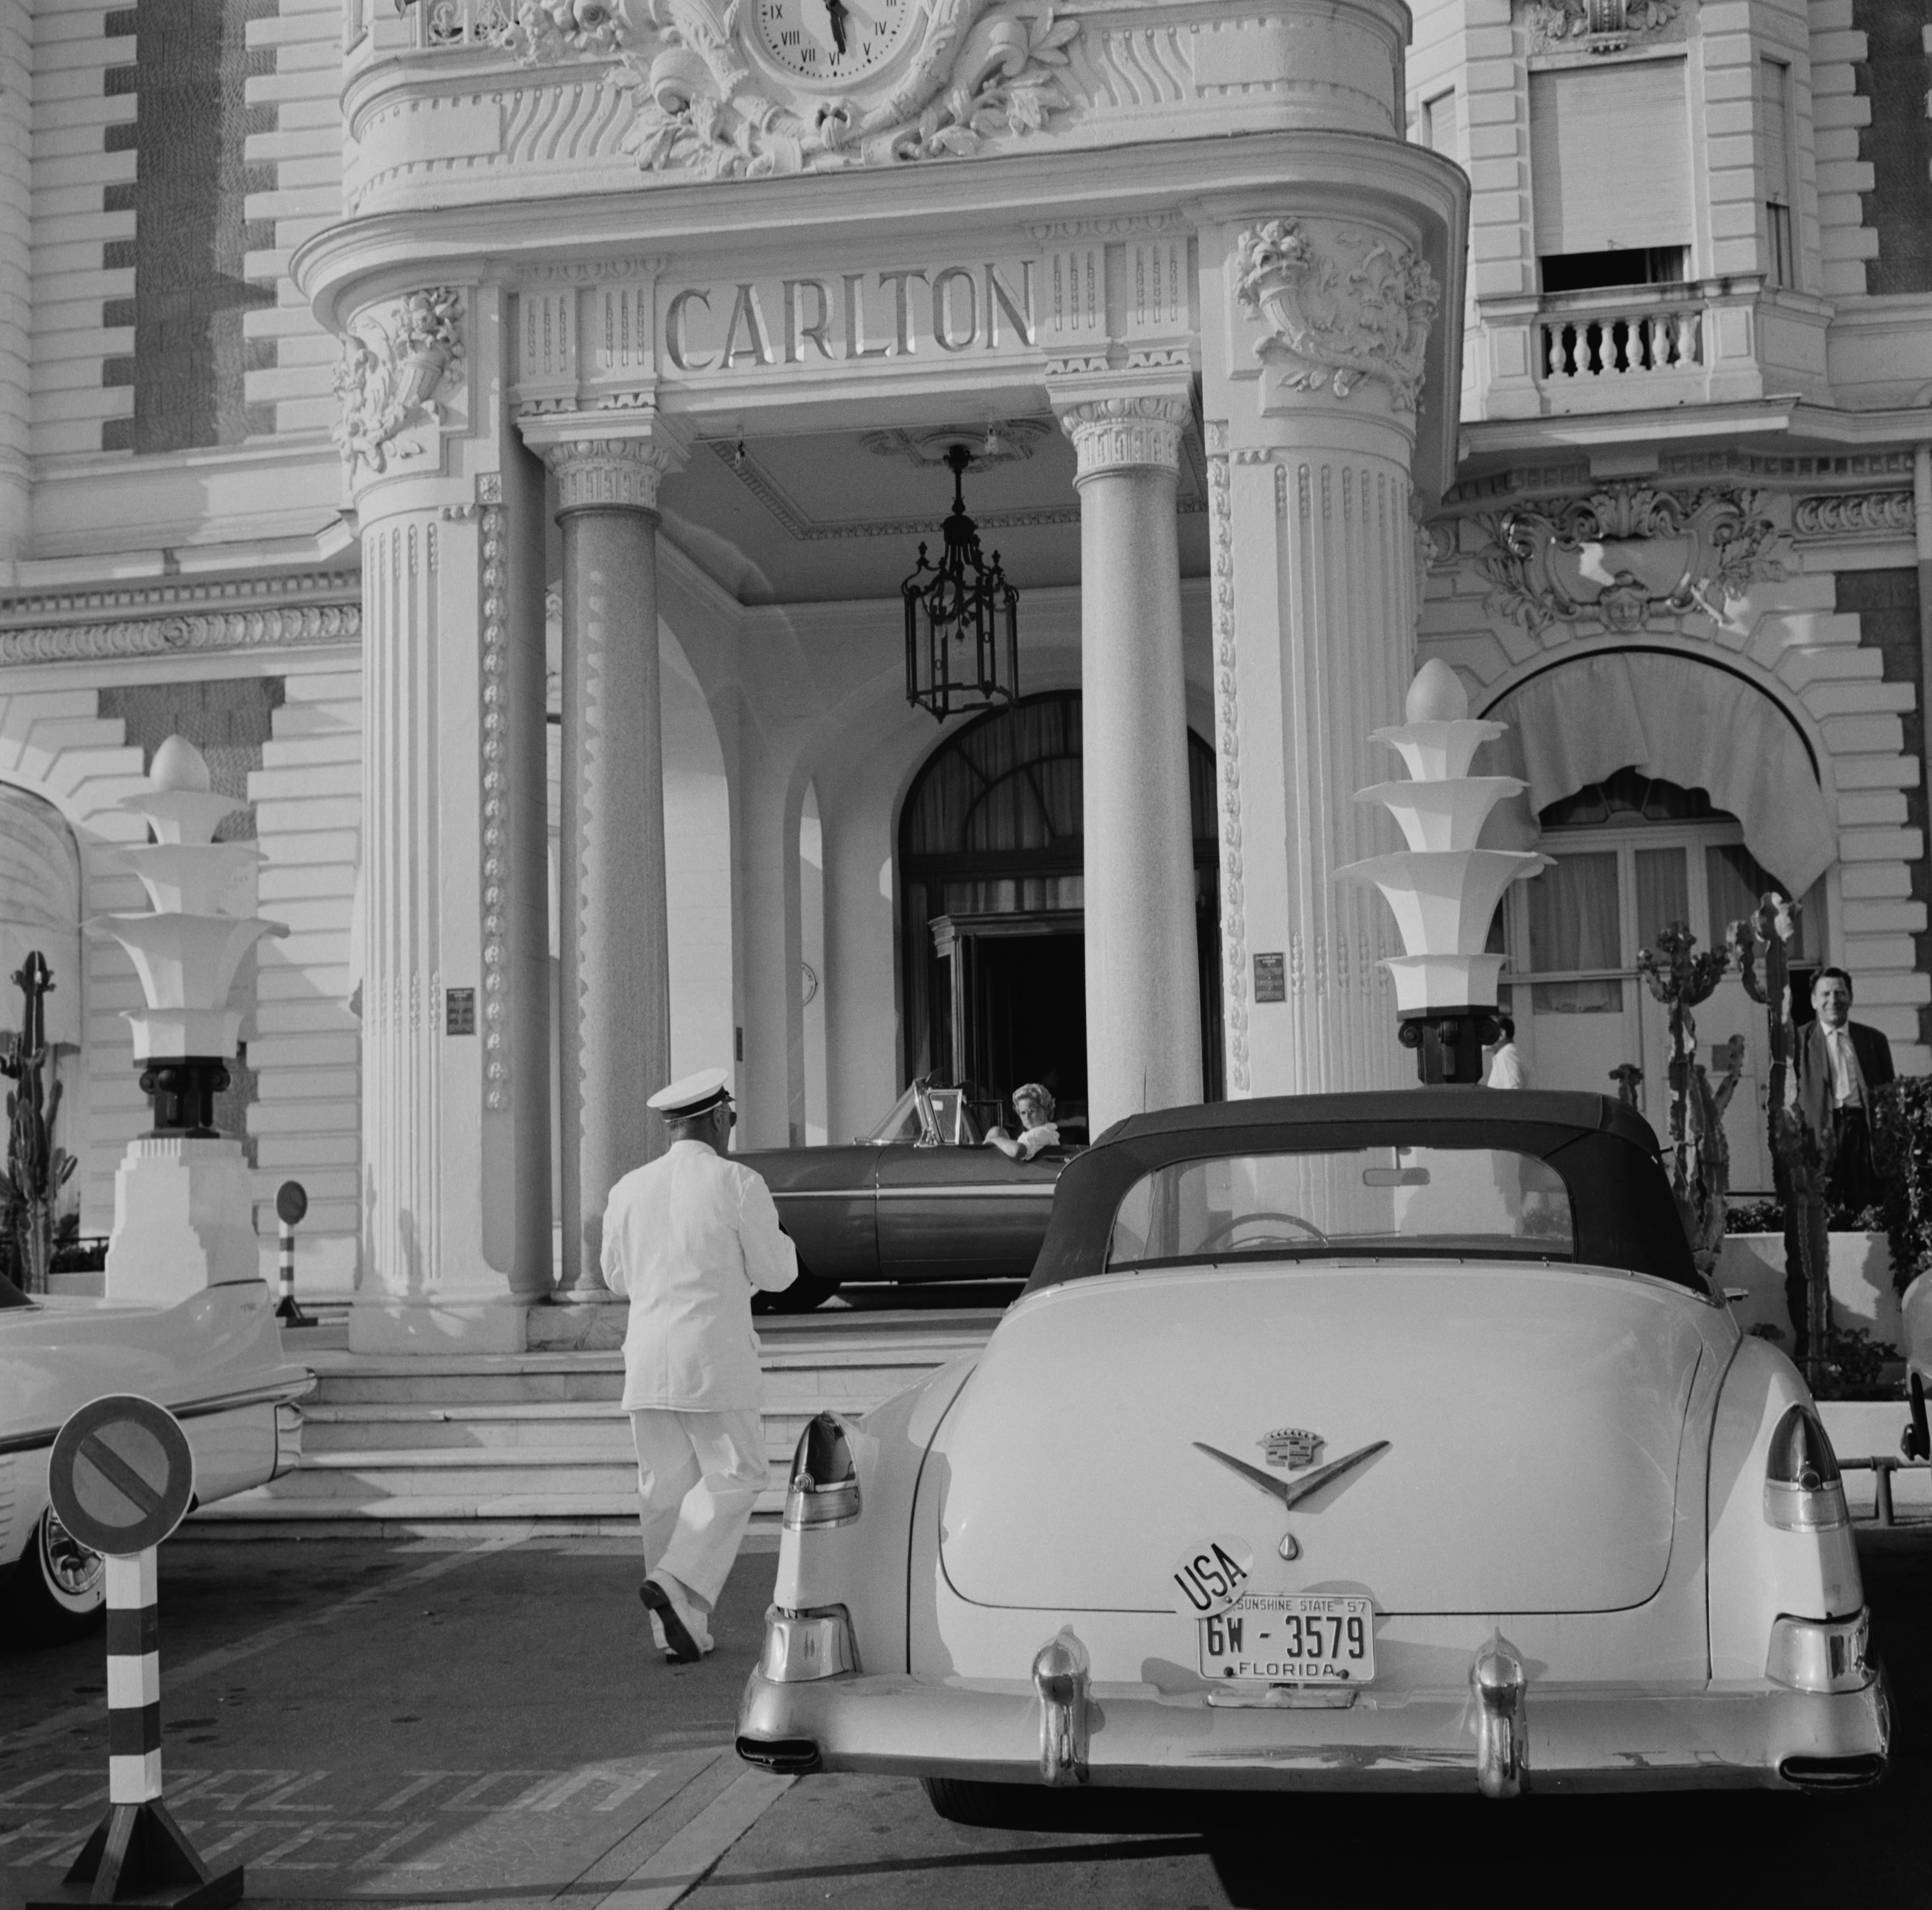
[1292,1446]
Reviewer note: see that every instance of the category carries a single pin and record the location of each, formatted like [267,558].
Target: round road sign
[121,1475]
[291,1202]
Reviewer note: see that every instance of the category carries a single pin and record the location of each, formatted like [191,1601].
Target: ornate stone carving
[1111,434]
[1357,307]
[1233,909]
[618,473]
[493,575]
[1598,26]
[1578,559]
[179,635]
[1013,441]
[1854,513]
[390,373]
[979,72]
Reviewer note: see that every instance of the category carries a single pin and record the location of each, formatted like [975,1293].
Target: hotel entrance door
[1015,989]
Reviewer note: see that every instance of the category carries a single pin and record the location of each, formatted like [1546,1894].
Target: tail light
[824,1488]
[1802,1490]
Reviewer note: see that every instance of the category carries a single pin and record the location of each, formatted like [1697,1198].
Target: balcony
[1639,347]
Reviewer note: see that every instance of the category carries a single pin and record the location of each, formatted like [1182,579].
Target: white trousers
[699,1475]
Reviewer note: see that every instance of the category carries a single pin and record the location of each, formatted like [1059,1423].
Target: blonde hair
[1032,1091]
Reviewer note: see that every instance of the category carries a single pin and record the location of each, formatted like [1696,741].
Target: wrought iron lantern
[962,618]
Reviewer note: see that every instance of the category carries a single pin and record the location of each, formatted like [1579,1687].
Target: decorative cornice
[281,627]
[610,474]
[1854,513]
[1355,306]
[177,596]
[1118,433]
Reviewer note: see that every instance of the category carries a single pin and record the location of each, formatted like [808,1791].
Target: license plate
[1294,1638]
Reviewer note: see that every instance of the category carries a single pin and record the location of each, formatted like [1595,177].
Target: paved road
[360,1722]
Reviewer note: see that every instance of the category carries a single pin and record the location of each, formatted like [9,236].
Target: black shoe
[685,1649]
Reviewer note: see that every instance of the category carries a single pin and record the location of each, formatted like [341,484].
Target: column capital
[1119,421]
[601,463]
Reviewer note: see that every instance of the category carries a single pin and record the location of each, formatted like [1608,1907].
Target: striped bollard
[121,1477]
[291,1203]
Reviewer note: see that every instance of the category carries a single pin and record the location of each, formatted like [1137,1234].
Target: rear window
[1368,1203]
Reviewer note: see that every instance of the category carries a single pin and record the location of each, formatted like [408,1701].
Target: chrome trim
[801,1646]
[288,1439]
[976,1190]
[1502,1722]
[1821,1654]
[1593,1738]
[1061,1670]
[285,1393]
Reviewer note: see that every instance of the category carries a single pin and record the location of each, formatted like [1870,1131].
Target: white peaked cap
[694,1094]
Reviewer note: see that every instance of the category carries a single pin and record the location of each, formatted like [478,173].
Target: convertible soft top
[1621,1206]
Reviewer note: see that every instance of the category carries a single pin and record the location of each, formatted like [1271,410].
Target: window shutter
[1441,128]
[1609,157]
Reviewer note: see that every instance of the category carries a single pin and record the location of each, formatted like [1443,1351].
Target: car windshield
[951,1116]
[1368,1202]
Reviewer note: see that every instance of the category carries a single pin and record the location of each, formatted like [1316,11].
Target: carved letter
[942,302]
[901,285]
[747,311]
[796,331]
[856,346]
[998,295]
[674,339]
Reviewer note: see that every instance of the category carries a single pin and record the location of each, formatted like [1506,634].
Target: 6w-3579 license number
[1298,1638]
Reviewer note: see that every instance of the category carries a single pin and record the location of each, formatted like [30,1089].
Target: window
[1366,1203]
[1774,95]
[1609,157]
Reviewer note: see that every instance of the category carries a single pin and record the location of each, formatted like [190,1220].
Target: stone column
[1311,430]
[615,1028]
[1143,997]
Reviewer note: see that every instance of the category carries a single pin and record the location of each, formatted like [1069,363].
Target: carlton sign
[752,324]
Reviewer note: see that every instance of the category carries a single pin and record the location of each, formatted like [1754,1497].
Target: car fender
[1759,1573]
[863,1565]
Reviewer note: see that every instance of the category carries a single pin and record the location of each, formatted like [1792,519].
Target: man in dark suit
[1840,1064]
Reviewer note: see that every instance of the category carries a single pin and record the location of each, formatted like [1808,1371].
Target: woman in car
[1034,1106]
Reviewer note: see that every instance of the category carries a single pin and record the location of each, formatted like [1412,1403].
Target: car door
[824,1196]
[962,1212]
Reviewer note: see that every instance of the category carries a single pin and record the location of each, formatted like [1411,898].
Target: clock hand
[815,17]
[835,11]
[864,12]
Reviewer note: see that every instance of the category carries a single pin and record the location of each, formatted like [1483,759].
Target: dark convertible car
[920,1198]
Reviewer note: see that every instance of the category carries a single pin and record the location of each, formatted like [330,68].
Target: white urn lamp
[1443,889]
[183,1204]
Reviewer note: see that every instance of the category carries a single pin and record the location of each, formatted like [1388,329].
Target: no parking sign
[122,1475]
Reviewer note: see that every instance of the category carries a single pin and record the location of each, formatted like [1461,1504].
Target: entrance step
[407,1442]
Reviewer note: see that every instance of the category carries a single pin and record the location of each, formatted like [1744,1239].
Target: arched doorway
[992,923]
[1633,854]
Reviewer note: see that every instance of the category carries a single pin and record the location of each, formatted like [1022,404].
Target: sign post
[122,1477]
[291,1203]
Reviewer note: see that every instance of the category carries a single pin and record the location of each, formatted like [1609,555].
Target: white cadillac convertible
[215,1361]
[1365,1441]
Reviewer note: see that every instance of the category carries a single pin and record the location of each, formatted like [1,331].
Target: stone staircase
[412,1444]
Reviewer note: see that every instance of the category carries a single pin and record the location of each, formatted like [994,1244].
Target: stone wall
[1896,143]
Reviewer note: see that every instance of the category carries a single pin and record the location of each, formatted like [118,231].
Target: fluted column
[615,1026]
[1311,432]
[1143,997]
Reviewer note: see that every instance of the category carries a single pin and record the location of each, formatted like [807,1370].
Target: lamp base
[1449,1044]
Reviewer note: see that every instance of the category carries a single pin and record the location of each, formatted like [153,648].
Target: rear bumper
[1578,1739]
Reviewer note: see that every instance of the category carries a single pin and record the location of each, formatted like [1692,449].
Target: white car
[215,1361]
[1368,1441]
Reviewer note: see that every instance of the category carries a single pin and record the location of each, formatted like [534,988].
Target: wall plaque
[1271,978]
[459,1015]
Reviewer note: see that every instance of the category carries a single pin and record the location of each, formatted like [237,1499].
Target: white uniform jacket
[689,1238]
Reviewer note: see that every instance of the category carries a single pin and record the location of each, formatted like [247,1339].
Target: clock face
[833,40]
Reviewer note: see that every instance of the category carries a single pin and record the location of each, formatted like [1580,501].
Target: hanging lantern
[962,618]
